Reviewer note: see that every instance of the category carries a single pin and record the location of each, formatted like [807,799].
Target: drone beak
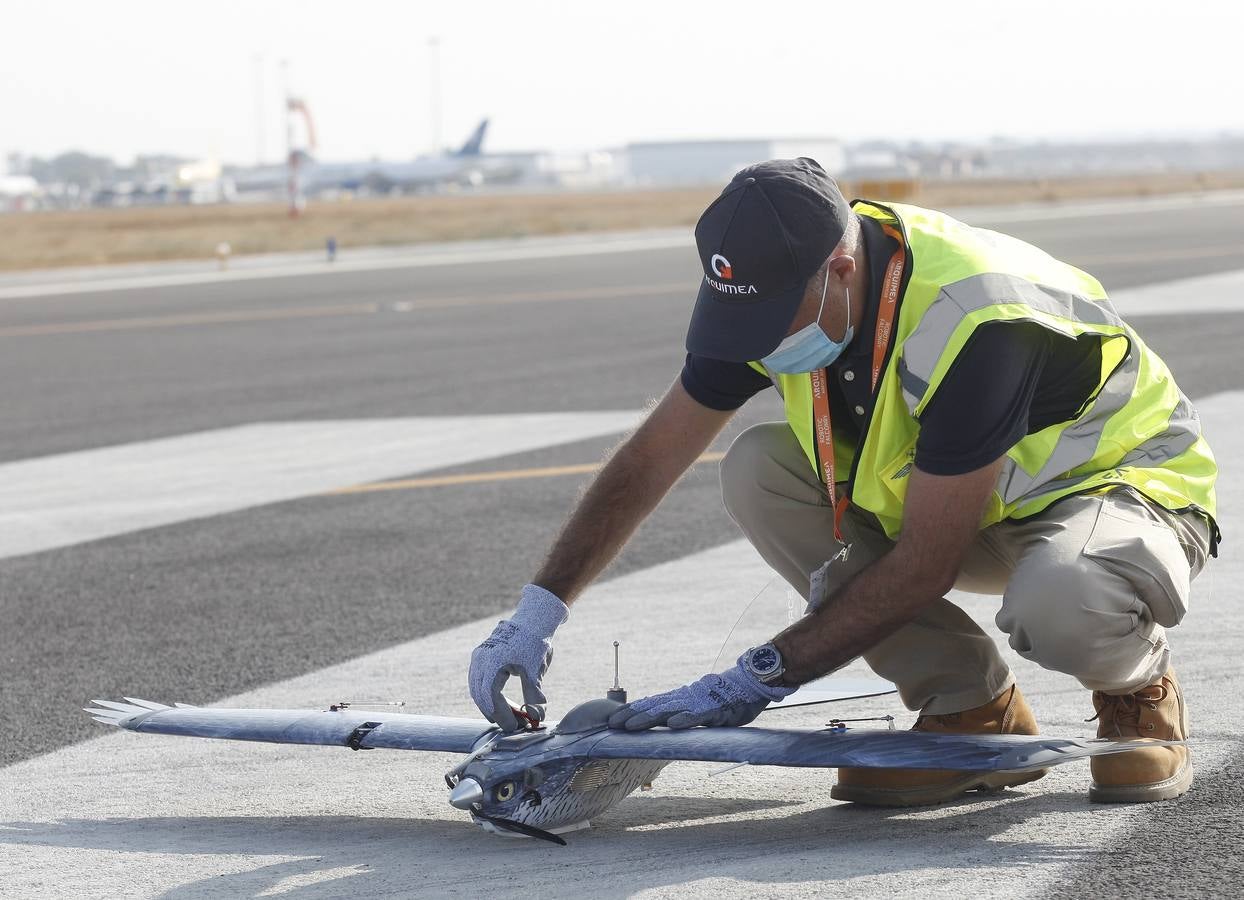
[466,793]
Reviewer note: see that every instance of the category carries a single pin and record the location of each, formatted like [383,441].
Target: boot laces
[1124,710]
[937,722]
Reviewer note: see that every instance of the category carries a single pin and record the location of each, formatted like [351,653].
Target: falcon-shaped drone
[556,777]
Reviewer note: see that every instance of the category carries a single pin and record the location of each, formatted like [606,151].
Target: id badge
[818,581]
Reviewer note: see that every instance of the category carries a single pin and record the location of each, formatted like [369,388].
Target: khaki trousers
[1088,586]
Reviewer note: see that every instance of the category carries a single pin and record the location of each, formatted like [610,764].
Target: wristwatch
[765,662]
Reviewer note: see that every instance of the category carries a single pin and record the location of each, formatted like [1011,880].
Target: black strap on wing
[355,738]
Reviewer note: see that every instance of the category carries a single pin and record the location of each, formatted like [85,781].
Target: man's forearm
[624,492]
[628,488]
[875,603]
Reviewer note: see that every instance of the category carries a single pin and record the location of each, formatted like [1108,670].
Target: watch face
[765,659]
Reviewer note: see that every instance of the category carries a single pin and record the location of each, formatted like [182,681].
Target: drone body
[558,777]
[547,781]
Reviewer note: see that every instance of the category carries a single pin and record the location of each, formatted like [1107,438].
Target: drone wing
[865,748]
[357,729]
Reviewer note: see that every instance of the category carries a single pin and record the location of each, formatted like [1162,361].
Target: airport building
[667,163]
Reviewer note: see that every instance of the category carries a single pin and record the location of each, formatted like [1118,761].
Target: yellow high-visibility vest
[1137,428]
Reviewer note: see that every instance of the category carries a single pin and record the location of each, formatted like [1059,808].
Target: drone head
[504,791]
[535,782]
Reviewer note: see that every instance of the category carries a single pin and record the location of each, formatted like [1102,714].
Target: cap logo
[721,267]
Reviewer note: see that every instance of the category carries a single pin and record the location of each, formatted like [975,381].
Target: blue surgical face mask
[810,348]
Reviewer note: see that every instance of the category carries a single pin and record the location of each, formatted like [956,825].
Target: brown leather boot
[1008,713]
[1154,773]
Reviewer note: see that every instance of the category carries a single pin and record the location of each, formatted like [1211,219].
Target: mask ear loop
[824,292]
[821,309]
[846,332]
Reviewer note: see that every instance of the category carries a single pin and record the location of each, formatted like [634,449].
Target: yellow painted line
[487,477]
[172,321]
[301,312]
[600,293]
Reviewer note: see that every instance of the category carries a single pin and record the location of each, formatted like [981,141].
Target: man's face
[830,281]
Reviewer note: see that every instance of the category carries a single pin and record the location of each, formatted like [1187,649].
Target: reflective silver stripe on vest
[1182,431]
[777,383]
[1078,442]
[924,347]
[913,386]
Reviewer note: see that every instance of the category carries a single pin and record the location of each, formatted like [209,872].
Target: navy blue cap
[772,227]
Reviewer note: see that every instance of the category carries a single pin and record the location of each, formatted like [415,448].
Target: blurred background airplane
[466,166]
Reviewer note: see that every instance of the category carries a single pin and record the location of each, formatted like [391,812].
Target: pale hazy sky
[125,77]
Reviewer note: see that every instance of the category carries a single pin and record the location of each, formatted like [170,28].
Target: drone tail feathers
[110,712]
[145,704]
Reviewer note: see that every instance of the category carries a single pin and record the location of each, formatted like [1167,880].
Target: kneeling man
[962,410]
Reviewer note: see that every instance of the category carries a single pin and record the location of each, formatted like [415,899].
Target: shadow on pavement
[650,842]
[1190,847]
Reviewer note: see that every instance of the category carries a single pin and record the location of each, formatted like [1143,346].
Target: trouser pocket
[1130,541]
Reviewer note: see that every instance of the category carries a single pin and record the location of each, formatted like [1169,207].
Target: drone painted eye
[503,792]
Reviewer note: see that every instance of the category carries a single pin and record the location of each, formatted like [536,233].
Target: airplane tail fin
[475,143]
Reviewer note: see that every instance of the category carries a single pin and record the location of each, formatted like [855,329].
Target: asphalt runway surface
[125,393]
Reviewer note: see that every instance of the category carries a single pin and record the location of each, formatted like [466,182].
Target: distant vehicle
[18,192]
[465,167]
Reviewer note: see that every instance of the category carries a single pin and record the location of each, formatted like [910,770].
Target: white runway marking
[1218,293]
[57,501]
[100,279]
[95,279]
[144,815]
[988,216]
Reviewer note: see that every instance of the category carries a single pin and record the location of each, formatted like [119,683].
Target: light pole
[297,202]
[434,61]
[260,123]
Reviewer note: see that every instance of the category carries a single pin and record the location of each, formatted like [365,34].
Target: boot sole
[1168,789]
[985,782]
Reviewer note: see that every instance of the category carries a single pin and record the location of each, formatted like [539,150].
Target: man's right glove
[519,645]
[733,697]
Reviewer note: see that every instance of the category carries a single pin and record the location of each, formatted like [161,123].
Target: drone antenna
[342,705]
[730,634]
[617,692]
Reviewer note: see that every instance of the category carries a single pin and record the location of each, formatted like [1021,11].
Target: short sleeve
[981,409]
[721,385]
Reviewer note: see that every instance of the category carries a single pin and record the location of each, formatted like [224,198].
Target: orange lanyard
[823,428]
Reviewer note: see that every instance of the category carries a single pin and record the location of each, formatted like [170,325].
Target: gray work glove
[520,645]
[733,697]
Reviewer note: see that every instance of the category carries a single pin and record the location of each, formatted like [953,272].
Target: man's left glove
[520,645]
[734,697]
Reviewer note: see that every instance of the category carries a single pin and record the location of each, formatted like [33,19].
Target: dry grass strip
[90,237]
